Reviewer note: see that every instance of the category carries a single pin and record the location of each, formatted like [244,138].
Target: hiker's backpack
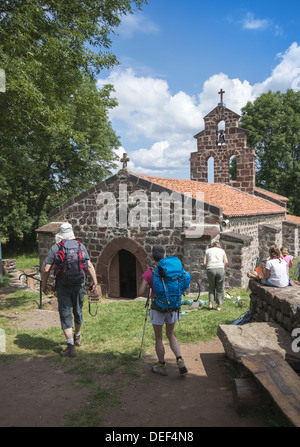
[70,263]
[169,282]
[243,319]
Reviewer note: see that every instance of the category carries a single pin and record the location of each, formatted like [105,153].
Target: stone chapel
[120,219]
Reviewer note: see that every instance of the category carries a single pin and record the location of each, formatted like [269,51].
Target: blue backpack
[243,318]
[170,280]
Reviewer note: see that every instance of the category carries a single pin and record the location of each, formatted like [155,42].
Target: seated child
[258,273]
[285,254]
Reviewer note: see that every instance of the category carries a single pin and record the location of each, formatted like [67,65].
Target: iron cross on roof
[221,93]
[125,160]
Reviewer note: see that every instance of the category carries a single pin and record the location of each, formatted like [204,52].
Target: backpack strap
[59,258]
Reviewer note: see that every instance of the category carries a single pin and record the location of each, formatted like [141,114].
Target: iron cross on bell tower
[221,93]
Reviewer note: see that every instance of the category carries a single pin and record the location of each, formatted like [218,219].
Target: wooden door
[139,278]
[114,277]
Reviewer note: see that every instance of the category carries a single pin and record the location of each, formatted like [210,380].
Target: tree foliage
[55,136]
[274,122]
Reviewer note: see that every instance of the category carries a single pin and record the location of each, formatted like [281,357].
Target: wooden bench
[279,380]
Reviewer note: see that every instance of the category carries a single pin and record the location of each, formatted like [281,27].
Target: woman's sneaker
[181,366]
[161,369]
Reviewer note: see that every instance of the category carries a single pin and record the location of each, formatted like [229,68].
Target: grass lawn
[117,329]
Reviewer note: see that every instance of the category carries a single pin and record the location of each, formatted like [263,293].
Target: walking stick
[147,310]
[196,302]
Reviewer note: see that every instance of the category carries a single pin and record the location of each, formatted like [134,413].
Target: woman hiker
[215,261]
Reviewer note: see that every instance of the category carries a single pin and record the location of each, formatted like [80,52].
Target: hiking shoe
[181,366]
[70,351]
[77,340]
[161,369]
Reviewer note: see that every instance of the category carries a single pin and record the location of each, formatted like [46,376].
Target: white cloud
[136,23]
[163,124]
[251,23]
[285,75]
[149,109]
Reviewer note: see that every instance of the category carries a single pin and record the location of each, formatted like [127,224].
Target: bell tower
[218,142]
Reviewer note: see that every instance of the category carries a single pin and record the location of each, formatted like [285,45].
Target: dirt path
[37,393]
[201,398]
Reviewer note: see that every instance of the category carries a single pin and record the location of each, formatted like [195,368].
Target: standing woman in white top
[215,261]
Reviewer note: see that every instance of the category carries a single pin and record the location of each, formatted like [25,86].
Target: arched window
[232,168]
[211,170]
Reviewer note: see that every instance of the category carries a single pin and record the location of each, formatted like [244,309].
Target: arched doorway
[120,267]
[123,275]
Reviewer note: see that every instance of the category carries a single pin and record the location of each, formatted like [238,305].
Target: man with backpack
[167,282]
[72,263]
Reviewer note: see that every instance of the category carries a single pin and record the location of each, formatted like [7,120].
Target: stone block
[255,339]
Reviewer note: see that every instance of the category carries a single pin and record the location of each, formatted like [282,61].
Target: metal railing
[40,281]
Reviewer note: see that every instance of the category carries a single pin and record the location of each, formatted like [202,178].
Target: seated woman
[275,274]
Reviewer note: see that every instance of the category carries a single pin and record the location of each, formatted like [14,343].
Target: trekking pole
[147,309]
[196,302]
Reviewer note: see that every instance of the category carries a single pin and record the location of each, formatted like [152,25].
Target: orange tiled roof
[294,219]
[231,200]
[272,194]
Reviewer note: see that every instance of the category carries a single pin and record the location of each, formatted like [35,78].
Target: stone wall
[240,254]
[290,237]
[275,305]
[9,265]
[269,235]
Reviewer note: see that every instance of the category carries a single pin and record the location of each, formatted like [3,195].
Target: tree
[55,136]
[274,122]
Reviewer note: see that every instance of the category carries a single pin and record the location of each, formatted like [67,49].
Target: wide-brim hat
[66,231]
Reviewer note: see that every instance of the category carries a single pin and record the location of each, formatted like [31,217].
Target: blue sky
[174,58]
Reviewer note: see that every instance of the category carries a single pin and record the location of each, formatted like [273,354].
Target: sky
[175,56]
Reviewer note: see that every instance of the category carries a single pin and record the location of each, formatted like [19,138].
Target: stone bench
[266,351]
